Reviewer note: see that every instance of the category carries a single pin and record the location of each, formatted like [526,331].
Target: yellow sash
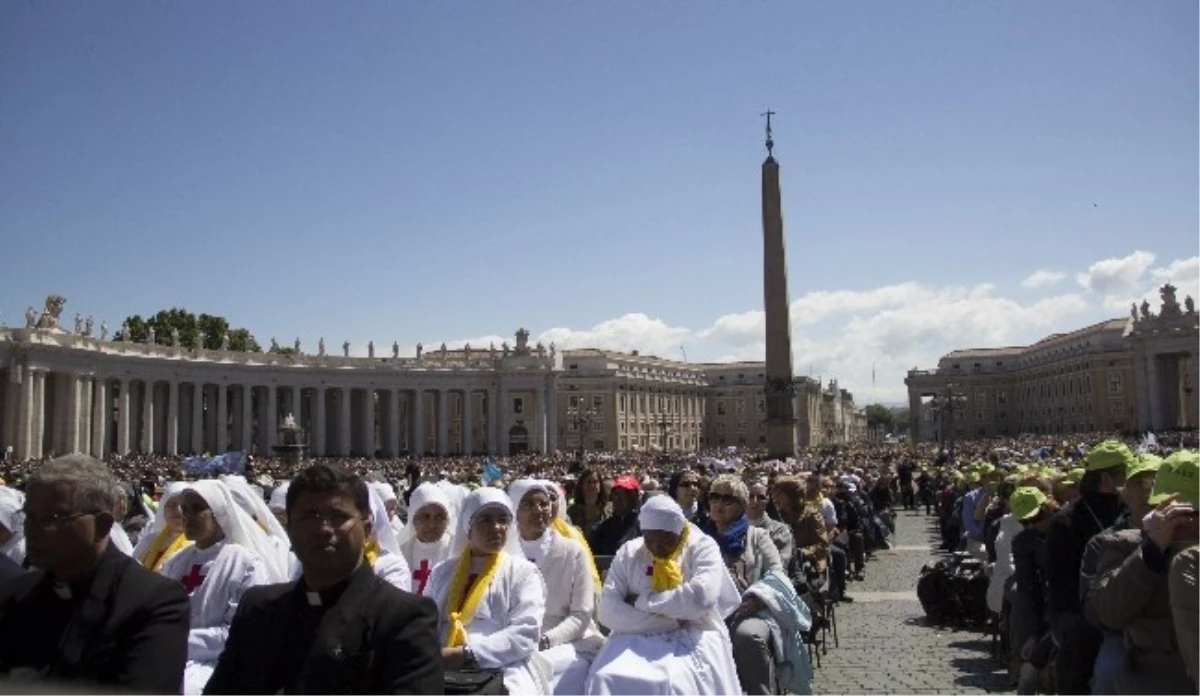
[461,612]
[372,551]
[569,531]
[667,572]
[163,548]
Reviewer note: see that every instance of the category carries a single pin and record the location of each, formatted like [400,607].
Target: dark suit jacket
[129,631]
[376,639]
[9,569]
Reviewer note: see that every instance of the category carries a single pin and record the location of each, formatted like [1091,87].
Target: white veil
[12,502]
[425,494]
[254,505]
[382,528]
[478,500]
[152,530]
[240,528]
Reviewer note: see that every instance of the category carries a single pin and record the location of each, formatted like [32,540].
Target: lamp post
[581,419]
[664,428]
[945,404]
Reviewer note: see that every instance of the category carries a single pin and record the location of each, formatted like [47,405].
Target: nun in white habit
[491,600]
[665,610]
[388,495]
[163,537]
[570,637]
[12,524]
[426,538]
[230,554]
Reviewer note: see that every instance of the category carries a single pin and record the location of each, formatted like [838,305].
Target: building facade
[70,392]
[1134,374]
[633,402]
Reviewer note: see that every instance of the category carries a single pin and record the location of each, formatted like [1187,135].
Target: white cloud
[893,328]
[1043,278]
[1116,276]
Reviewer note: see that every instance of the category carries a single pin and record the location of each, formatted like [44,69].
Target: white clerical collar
[314,598]
[63,590]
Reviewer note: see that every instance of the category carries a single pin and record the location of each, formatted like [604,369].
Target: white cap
[661,512]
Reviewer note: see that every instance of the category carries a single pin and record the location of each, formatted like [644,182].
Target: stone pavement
[885,644]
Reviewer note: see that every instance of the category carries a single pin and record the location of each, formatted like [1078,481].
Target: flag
[491,473]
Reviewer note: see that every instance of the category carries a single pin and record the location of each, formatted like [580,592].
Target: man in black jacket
[622,525]
[1095,510]
[90,617]
[339,629]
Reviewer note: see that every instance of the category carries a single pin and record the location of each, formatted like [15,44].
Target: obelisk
[781,412]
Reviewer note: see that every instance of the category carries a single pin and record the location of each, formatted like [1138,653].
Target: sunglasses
[722,498]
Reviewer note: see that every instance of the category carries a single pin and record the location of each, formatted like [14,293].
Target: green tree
[280,350]
[880,416]
[203,331]
[901,416]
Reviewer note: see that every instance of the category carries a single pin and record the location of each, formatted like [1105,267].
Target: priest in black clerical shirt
[339,629]
[90,617]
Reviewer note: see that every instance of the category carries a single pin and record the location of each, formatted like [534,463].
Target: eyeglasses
[722,499]
[53,521]
[335,519]
[759,496]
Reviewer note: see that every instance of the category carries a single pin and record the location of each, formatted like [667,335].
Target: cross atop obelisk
[770,137]
[780,384]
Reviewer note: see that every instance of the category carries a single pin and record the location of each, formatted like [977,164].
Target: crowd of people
[607,574]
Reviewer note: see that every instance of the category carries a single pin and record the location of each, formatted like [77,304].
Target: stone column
[393,422]
[73,412]
[914,417]
[552,416]
[101,417]
[171,447]
[271,427]
[368,422]
[1154,383]
[417,446]
[222,443]
[197,440]
[468,422]
[246,417]
[123,418]
[493,417]
[343,448]
[39,413]
[443,422]
[298,406]
[502,421]
[24,427]
[539,421]
[148,416]
[317,434]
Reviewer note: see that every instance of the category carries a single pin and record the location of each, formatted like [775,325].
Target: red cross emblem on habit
[193,579]
[421,575]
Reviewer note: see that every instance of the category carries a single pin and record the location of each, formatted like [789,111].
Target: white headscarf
[382,528]
[279,496]
[240,528]
[455,493]
[517,490]
[256,507]
[425,494]
[152,530]
[473,504]
[384,489]
[12,502]
[556,491]
[661,512]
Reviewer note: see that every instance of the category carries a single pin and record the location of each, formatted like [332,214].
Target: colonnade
[48,412]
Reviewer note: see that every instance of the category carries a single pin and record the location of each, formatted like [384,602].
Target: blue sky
[428,171]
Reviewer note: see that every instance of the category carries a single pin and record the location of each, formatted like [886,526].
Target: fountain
[293,442]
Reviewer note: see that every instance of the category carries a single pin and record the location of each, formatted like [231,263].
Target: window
[597,402]
[740,406]
[1114,383]
[1002,397]
[598,444]
[518,405]
[597,426]
[762,439]
[720,408]
[621,403]
[573,402]
[741,425]
[761,405]
[979,416]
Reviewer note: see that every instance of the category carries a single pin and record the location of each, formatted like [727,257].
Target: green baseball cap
[1179,474]
[1026,502]
[1073,477]
[1107,455]
[1142,463]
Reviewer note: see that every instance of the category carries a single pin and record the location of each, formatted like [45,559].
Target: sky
[954,174]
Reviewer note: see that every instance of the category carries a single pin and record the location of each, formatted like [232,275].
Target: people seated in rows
[89,618]
[622,525]
[120,538]
[426,538]
[562,524]
[252,503]
[12,526]
[383,547]
[589,501]
[570,637]
[164,536]
[229,554]
[803,517]
[665,600]
[756,512]
[749,554]
[686,487]
[387,494]
[339,628]
[491,600]
[1131,593]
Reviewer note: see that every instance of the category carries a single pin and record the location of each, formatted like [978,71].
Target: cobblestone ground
[886,646]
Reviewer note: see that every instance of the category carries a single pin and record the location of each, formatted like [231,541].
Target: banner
[228,463]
